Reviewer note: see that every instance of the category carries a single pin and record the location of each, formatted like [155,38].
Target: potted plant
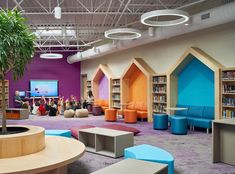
[16,50]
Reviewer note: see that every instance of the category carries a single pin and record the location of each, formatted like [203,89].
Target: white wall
[218,42]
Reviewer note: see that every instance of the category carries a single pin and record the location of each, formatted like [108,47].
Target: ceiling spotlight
[179,17]
[57,12]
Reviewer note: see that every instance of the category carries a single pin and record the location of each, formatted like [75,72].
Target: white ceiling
[90,18]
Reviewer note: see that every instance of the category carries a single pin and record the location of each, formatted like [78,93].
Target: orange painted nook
[135,89]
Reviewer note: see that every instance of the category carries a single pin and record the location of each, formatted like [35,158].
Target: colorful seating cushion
[121,128]
[150,153]
[74,130]
[57,132]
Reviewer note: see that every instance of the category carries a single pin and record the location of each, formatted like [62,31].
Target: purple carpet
[192,152]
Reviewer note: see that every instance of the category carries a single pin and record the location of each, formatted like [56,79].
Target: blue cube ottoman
[179,125]
[160,121]
[57,132]
[150,153]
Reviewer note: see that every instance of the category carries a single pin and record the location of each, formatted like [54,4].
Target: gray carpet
[192,152]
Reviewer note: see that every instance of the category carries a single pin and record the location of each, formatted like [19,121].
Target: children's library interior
[117,87]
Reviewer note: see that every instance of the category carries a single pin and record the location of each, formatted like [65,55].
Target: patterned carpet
[192,152]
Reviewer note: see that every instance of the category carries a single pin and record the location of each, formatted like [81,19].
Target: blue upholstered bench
[197,116]
[57,132]
[150,153]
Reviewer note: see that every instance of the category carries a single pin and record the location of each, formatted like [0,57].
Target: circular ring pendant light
[178,15]
[122,34]
[51,56]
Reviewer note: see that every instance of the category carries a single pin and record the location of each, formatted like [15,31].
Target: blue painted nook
[196,85]
[193,86]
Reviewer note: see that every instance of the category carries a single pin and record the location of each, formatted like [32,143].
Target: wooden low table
[106,142]
[58,153]
[133,166]
[17,113]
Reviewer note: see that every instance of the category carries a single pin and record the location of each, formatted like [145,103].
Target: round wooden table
[54,158]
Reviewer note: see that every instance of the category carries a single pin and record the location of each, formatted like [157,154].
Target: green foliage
[16,44]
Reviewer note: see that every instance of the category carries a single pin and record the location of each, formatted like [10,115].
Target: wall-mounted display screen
[46,88]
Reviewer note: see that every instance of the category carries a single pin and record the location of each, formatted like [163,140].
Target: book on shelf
[159,79]
[159,98]
[159,89]
[159,108]
[228,113]
[228,101]
[228,75]
[228,88]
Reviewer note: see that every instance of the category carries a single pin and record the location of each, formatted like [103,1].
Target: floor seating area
[197,116]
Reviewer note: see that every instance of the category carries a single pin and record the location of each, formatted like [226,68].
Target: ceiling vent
[205,16]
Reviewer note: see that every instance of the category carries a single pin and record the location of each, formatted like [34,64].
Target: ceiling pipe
[220,15]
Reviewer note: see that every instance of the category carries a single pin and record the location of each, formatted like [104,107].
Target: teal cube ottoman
[58,132]
[150,153]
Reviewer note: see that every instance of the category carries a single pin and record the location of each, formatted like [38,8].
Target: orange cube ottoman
[110,115]
[130,116]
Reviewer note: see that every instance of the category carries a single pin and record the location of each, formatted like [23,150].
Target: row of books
[116,104]
[116,82]
[159,79]
[229,75]
[159,89]
[159,108]
[228,88]
[116,97]
[116,89]
[227,113]
[228,101]
[159,98]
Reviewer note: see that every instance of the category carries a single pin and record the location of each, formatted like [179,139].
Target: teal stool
[150,153]
[160,121]
[179,125]
[55,132]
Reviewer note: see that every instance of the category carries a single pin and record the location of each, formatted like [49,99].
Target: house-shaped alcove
[194,80]
[136,84]
[101,83]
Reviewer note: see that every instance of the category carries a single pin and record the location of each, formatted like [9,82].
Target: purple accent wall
[104,88]
[68,76]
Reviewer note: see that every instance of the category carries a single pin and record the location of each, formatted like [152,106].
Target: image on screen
[46,88]
[22,94]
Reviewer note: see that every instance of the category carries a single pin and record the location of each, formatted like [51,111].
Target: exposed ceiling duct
[217,16]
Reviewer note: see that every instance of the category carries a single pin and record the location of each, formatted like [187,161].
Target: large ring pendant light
[51,56]
[181,16]
[122,34]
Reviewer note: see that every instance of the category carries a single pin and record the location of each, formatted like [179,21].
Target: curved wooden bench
[58,153]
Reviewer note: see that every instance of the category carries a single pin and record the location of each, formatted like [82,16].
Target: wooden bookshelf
[6,94]
[159,93]
[228,92]
[116,93]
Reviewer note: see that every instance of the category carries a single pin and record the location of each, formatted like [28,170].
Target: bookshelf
[159,87]
[228,92]
[88,85]
[116,93]
[6,94]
